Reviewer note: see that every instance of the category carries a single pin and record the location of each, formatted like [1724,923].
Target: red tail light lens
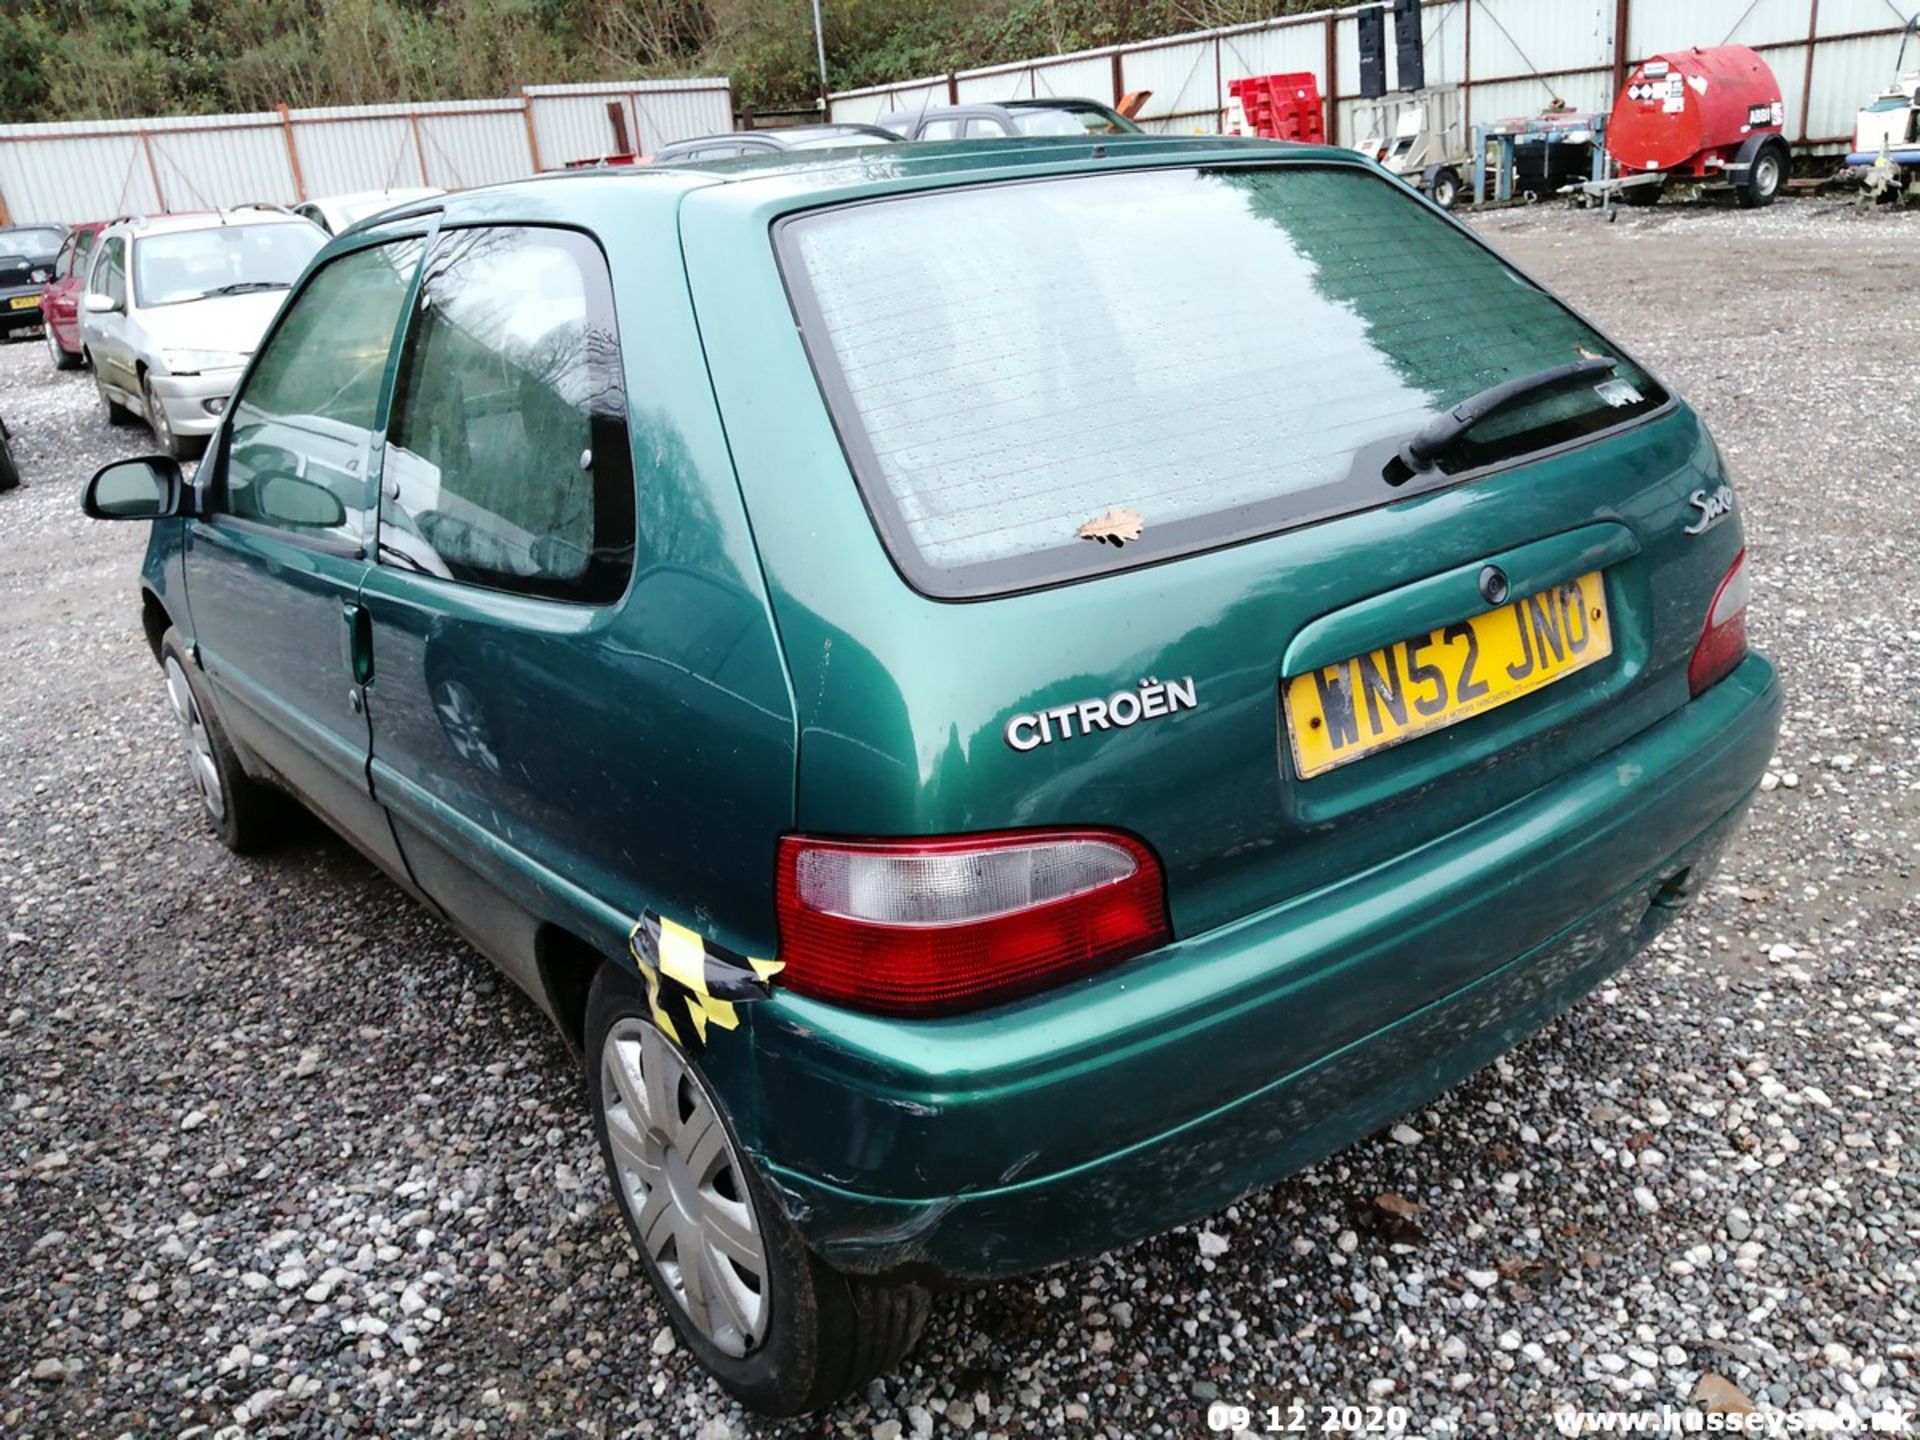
[1723,642]
[933,927]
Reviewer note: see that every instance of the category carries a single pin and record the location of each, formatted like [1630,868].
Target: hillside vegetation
[84,59]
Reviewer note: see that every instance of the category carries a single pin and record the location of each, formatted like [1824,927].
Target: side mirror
[145,489]
[98,304]
[296,501]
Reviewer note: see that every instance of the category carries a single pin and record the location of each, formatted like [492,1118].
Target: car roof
[963,160]
[144,225]
[786,180]
[398,194]
[780,136]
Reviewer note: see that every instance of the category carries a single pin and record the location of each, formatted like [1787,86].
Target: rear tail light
[930,927]
[1723,641]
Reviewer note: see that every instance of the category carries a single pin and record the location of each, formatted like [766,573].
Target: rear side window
[508,465]
[1222,353]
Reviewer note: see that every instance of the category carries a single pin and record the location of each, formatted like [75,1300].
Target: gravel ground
[279,1156]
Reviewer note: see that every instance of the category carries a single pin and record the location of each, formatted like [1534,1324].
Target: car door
[506,537]
[274,565]
[60,304]
[106,330]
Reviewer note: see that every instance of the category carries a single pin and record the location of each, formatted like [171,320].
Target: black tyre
[1766,178]
[116,413]
[9,472]
[245,814]
[1642,196]
[63,358]
[1446,188]
[782,1331]
[180,447]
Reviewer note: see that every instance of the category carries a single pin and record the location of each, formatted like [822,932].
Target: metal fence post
[159,195]
[293,152]
[1806,86]
[1622,38]
[1333,82]
[533,138]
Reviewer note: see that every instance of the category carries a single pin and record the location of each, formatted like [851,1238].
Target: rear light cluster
[937,926]
[1723,641]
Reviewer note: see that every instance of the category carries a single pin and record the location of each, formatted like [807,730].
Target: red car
[60,303]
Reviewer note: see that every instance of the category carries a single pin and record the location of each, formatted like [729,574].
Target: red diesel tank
[1712,113]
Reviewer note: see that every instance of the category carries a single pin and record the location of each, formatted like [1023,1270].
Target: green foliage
[78,59]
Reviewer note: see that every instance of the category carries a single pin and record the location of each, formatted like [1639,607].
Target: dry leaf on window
[1586,354]
[1116,527]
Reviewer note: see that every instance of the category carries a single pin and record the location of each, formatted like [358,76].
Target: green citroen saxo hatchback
[1001,695]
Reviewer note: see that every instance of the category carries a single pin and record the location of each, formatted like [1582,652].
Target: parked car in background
[592,552]
[174,307]
[772,142]
[9,471]
[60,304]
[1007,119]
[26,265]
[334,213]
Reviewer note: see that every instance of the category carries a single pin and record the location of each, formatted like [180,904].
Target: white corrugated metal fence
[93,169]
[1509,57]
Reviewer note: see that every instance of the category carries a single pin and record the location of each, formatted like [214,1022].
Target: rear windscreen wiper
[1416,457]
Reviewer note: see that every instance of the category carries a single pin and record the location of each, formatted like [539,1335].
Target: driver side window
[296,454]
[110,271]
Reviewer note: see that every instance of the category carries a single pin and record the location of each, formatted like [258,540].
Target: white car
[334,213]
[175,305]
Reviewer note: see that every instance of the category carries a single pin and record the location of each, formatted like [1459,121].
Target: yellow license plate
[1344,712]
[26,302]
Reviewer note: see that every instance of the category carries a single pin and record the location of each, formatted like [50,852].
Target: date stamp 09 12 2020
[1295,1418]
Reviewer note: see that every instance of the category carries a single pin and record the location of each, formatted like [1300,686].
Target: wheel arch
[1751,149]
[566,965]
[154,619]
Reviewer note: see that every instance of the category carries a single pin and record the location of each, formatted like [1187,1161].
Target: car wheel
[9,472]
[245,814]
[1764,180]
[1446,189]
[782,1331]
[180,447]
[63,358]
[116,413]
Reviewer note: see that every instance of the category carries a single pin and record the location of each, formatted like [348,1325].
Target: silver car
[175,305]
[334,213]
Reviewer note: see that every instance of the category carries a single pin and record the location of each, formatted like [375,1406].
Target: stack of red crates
[1282,107]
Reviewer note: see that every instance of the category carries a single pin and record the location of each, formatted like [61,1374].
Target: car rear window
[1222,353]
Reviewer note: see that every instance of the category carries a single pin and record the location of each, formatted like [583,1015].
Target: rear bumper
[1172,1085]
[184,398]
[19,319]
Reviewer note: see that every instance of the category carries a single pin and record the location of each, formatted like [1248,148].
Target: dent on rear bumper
[1165,1089]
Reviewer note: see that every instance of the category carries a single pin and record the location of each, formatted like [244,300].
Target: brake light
[1723,641]
[936,926]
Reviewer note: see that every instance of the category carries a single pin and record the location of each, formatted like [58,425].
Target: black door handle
[359,646]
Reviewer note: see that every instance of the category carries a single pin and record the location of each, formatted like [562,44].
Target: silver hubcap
[200,761]
[1768,174]
[684,1186]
